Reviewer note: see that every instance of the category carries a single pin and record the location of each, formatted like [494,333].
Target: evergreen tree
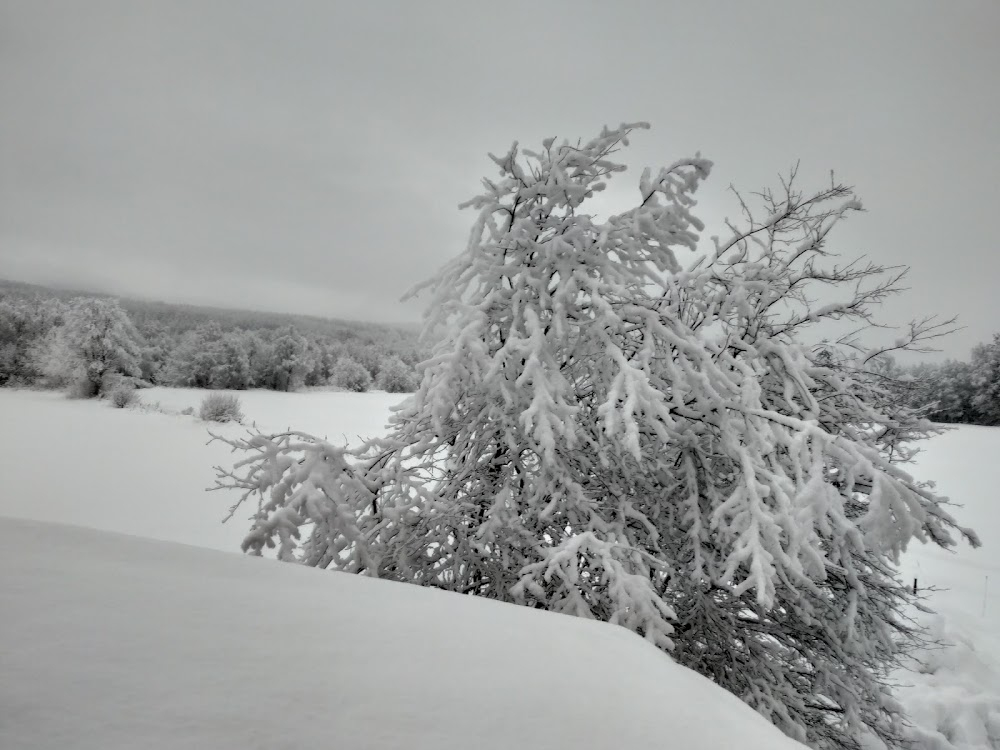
[610,429]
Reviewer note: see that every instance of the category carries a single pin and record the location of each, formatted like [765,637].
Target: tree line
[87,344]
[957,392]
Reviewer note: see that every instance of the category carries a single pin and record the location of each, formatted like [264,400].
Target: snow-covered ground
[336,415]
[955,699]
[118,642]
[122,638]
[145,472]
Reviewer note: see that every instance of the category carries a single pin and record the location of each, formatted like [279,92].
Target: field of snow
[145,472]
[336,415]
[955,697]
[122,638]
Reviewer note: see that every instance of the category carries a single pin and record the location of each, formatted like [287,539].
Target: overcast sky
[310,156]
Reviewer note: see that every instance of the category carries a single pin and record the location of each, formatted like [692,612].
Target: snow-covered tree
[209,357]
[616,426]
[350,374]
[395,376]
[946,392]
[24,324]
[291,361]
[232,366]
[191,362]
[986,381]
[321,357]
[96,344]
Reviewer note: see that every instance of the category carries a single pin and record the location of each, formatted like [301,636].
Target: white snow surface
[338,416]
[954,698]
[120,642]
[120,638]
[146,472]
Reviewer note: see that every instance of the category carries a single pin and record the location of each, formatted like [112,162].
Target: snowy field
[145,473]
[121,639]
[956,699]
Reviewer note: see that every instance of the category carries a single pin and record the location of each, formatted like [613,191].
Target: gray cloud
[309,156]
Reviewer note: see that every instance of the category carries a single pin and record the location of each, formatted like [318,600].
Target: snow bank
[124,642]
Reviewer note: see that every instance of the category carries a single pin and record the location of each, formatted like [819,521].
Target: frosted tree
[232,366]
[946,391]
[395,376]
[617,426]
[24,325]
[195,358]
[291,360]
[96,344]
[350,374]
[986,380]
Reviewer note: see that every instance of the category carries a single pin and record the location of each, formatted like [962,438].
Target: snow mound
[125,642]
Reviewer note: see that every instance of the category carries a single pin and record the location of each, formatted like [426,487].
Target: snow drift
[124,642]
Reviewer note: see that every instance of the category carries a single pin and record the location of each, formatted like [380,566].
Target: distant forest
[58,338]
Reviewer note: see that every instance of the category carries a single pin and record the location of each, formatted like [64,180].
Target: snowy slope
[123,642]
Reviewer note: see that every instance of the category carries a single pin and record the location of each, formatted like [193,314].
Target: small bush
[221,407]
[395,376]
[188,411]
[350,374]
[122,395]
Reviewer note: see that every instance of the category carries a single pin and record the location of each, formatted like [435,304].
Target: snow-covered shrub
[615,426]
[395,376]
[188,411]
[221,407]
[122,395]
[350,374]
